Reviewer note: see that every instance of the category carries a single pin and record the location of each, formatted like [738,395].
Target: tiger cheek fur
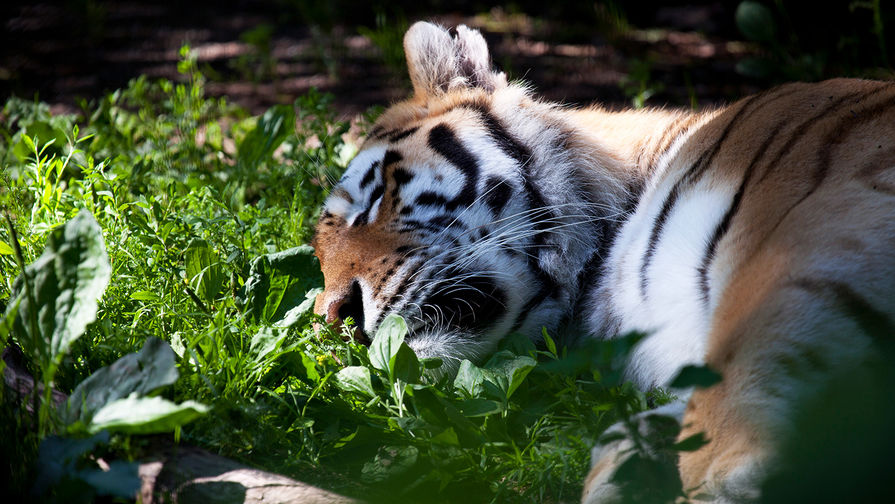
[474,210]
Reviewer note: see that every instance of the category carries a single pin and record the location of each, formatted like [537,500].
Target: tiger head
[471,209]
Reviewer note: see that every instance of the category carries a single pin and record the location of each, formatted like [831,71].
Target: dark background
[259,53]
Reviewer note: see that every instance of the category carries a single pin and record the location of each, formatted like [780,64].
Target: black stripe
[402,134]
[831,139]
[550,287]
[443,141]
[724,225]
[545,292]
[805,128]
[873,322]
[445,221]
[391,157]
[429,198]
[365,215]
[658,225]
[504,140]
[691,176]
[841,130]
[435,224]
[370,175]
[401,176]
[497,194]
[801,130]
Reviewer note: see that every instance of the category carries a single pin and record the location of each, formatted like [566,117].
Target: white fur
[671,312]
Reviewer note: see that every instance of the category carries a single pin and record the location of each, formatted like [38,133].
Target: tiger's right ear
[439,61]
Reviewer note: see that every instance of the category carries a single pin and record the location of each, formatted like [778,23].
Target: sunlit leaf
[145,415]
[406,365]
[204,270]
[67,281]
[386,344]
[469,379]
[280,282]
[139,373]
[272,128]
[355,379]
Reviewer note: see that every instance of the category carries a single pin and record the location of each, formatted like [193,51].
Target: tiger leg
[775,353]
[606,458]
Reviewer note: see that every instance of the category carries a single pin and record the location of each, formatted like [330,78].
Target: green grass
[204,211]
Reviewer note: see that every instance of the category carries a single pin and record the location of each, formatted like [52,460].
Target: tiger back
[757,239]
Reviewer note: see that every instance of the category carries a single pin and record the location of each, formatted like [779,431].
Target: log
[195,476]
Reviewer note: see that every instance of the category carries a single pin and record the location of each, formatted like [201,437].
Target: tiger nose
[349,304]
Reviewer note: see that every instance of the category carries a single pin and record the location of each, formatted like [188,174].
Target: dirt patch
[67,51]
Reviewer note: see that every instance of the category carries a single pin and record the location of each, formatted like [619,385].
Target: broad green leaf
[139,373]
[67,281]
[281,282]
[469,379]
[355,379]
[477,407]
[272,128]
[517,343]
[204,270]
[517,370]
[121,479]
[386,343]
[432,362]
[294,315]
[438,410]
[695,376]
[24,148]
[145,415]
[446,437]
[266,340]
[57,456]
[691,443]
[755,21]
[509,371]
[5,249]
[310,366]
[406,365]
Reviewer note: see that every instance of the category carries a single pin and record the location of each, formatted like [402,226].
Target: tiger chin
[748,238]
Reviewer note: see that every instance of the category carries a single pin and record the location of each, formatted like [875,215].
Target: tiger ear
[439,61]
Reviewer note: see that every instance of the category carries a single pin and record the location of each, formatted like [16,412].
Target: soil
[261,53]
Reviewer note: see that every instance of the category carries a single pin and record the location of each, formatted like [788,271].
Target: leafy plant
[388,36]
[843,38]
[54,300]
[638,85]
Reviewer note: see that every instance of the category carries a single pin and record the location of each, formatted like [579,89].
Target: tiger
[747,238]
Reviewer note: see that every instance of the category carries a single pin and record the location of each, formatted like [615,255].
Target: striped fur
[755,238]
